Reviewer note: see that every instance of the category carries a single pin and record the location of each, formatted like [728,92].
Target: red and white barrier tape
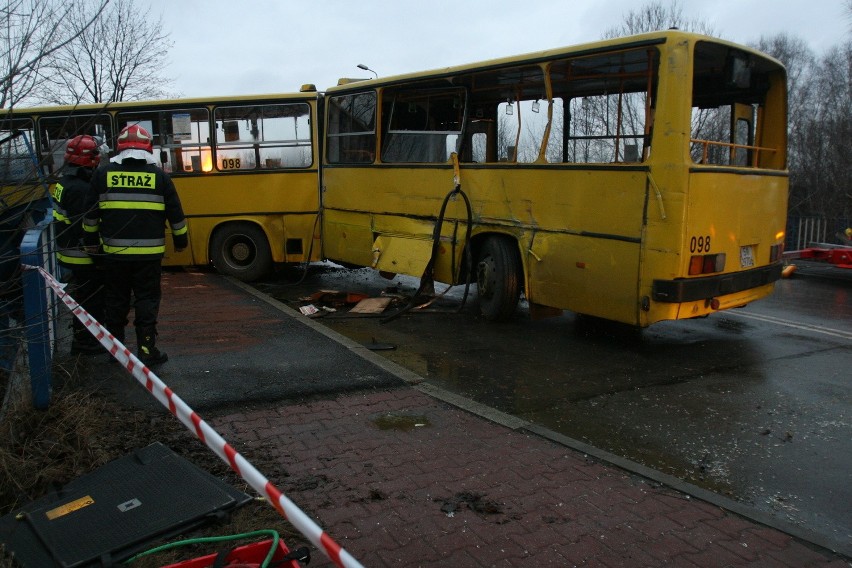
[204,432]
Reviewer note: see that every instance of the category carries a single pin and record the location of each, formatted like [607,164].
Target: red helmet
[83,151]
[134,137]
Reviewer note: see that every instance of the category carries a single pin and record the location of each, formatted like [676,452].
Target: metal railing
[805,232]
[41,312]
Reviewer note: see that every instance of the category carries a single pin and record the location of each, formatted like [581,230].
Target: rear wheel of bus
[241,250]
[498,278]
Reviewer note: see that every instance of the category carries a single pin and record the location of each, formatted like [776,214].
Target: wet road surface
[753,404]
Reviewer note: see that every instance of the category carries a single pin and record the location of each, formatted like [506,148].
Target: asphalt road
[753,404]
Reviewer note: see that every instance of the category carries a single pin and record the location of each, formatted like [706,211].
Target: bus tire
[242,251]
[498,279]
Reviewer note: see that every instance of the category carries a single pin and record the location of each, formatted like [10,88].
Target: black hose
[429,272]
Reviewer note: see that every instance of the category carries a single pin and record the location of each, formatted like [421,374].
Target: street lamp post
[365,68]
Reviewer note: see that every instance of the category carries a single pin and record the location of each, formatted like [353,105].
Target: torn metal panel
[405,255]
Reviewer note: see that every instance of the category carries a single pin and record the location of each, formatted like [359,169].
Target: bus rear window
[737,108]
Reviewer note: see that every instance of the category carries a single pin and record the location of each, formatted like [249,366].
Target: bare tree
[120,57]
[655,16]
[31,33]
[800,62]
[821,183]
[819,98]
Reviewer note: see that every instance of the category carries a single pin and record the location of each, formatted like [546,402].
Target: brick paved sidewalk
[401,479]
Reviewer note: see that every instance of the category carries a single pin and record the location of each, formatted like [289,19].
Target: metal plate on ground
[109,514]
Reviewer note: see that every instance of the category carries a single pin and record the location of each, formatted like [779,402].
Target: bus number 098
[230,163]
[699,244]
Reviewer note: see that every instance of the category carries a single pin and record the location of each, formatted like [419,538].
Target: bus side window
[422,124]
[56,131]
[181,137]
[606,112]
[507,114]
[263,137]
[17,164]
[351,132]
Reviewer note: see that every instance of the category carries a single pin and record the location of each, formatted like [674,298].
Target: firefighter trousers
[87,287]
[138,280]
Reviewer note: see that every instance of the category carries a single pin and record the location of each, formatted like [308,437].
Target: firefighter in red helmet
[70,195]
[135,199]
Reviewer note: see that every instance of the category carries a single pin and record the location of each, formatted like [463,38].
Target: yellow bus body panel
[569,244]
[711,212]
[281,203]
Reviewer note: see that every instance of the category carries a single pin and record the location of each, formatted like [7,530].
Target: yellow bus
[637,179]
[246,169]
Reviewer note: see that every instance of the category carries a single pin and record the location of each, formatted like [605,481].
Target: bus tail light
[706,263]
[775,252]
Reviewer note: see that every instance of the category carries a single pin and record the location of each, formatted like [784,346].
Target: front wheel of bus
[242,251]
[498,279]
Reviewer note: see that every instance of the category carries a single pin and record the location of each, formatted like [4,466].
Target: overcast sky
[231,47]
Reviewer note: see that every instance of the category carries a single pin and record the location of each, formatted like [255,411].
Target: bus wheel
[497,279]
[241,250]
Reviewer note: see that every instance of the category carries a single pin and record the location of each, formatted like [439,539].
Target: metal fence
[30,314]
[803,232]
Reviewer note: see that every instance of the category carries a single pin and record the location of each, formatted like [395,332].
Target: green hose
[176,544]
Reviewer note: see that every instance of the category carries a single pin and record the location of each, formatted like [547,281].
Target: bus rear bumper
[694,289]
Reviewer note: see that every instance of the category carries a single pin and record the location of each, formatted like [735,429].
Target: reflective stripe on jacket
[71,199]
[135,200]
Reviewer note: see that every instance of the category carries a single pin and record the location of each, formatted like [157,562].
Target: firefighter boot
[146,338]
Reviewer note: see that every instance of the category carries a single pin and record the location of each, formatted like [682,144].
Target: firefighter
[135,199]
[70,195]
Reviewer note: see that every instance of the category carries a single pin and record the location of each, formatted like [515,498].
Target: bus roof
[651,38]
[305,95]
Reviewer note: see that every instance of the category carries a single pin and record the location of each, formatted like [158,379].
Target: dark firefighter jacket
[134,200]
[70,196]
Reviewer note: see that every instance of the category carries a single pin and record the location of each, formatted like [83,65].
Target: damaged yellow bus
[637,179]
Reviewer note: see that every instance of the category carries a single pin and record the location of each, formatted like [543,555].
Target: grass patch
[81,430]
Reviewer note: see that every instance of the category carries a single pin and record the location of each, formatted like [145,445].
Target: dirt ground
[83,430]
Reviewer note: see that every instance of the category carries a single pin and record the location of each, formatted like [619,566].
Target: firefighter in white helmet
[135,200]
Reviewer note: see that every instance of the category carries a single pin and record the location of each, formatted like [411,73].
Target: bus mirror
[164,157]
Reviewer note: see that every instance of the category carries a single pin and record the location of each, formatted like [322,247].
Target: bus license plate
[747,256]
